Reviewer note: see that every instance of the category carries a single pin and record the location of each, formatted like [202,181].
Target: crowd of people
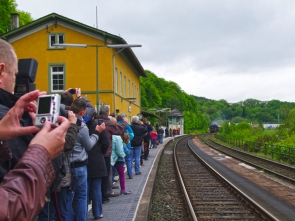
[54,172]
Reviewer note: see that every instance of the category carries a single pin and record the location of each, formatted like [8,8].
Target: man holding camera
[26,172]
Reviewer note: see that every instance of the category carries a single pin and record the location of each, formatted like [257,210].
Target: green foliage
[6,8]
[249,110]
[157,93]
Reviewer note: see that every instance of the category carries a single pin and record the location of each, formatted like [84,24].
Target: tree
[7,7]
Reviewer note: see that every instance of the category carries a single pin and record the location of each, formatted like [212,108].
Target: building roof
[56,19]
[175,113]
[147,114]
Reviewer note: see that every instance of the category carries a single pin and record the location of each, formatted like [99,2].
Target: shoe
[126,192]
[138,173]
[112,194]
[115,187]
[130,177]
[142,164]
[106,201]
[99,217]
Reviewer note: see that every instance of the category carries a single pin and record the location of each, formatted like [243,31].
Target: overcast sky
[229,49]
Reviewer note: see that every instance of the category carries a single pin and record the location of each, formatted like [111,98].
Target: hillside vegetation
[199,112]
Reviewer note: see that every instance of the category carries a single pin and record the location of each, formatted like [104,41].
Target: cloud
[229,49]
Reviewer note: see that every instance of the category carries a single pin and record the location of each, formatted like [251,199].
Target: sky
[230,49]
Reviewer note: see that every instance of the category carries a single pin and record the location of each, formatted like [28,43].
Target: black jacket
[139,132]
[147,137]
[17,145]
[96,166]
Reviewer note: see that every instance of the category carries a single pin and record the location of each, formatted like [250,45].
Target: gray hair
[135,119]
[7,55]
[104,110]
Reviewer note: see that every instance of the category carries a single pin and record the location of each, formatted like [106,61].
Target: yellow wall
[80,66]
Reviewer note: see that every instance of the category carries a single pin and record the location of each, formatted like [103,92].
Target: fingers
[72,117]
[78,92]
[55,137]
[100,128]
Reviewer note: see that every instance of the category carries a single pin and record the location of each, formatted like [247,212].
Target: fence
[276,152]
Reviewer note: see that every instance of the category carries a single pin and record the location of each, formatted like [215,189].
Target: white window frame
[60,71]
[57,39]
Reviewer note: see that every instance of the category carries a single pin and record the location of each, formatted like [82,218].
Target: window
[121,83]
[56,39]
[57,78]
[124,85]
[132,90]
[129,88]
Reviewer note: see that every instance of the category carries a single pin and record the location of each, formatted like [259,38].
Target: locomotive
[213,128]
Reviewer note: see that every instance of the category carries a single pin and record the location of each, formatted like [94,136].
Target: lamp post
[96,53]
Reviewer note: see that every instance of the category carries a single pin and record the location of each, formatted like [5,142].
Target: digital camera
[48,108]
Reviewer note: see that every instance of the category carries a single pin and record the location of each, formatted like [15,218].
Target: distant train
[213,128]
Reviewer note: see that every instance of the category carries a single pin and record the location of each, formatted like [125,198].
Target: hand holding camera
[55,138]
[72,117]
[100,127]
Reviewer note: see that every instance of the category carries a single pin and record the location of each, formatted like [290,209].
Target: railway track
[187,188]
[280,170]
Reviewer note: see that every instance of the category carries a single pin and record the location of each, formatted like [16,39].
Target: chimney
[14,21]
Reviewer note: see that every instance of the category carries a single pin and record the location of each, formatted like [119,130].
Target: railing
[283,154]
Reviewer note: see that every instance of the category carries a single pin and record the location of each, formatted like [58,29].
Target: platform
[125,207]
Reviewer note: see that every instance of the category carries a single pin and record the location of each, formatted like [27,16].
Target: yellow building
[116,70]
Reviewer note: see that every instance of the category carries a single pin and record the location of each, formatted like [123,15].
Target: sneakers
[126,192]
[138,173]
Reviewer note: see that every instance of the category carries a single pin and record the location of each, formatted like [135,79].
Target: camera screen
[44,105]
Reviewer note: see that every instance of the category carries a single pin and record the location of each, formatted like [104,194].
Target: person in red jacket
[154,135]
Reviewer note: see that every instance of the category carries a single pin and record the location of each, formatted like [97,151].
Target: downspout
[113,63]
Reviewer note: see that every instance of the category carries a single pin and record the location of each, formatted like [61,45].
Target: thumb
[46,128]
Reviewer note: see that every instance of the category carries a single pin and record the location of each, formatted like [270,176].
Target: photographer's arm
[23,189]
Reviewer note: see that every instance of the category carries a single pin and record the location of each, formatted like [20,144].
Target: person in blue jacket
[129,131]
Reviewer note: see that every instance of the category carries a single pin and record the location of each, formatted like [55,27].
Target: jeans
[96,195]
[128,161]
[48,211]
[135,152]
[65,198]
[105,180]
[80,196]
[160,137]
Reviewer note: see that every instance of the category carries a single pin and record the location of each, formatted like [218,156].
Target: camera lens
[42,120]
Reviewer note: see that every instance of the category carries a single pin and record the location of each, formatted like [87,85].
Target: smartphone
[100,121]
[72,91]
